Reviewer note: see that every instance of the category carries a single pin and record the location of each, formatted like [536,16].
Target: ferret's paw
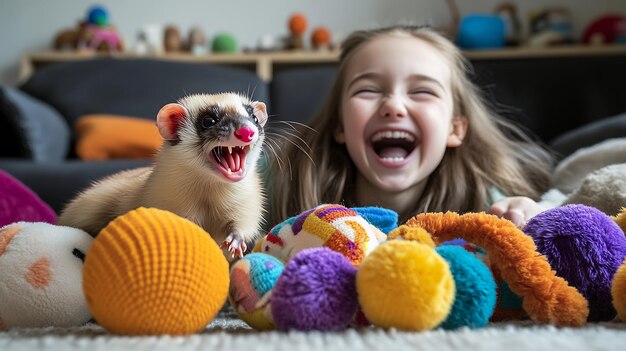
[235,245]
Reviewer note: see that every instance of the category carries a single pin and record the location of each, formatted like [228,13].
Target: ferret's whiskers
[291,123]
[270,147]
[297,137]
[294,144]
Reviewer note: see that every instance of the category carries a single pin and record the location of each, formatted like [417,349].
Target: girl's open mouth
[393,147]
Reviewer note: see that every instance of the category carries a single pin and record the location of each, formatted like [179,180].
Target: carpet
[231,334]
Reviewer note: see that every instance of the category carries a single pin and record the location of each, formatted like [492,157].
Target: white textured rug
[228,334]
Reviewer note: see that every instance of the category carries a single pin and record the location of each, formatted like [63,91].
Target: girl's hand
[517,209]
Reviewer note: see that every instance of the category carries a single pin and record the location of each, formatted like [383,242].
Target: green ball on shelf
[224,42]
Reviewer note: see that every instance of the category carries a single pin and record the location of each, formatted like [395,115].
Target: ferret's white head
[222,132]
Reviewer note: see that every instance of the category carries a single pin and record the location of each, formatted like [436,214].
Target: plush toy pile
[150,272]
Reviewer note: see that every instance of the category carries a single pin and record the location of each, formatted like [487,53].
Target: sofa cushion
[42,130]
[104,137]
[133,87]
[298,94]
[589,134]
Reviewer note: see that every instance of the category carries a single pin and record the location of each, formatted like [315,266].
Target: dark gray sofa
[550,97]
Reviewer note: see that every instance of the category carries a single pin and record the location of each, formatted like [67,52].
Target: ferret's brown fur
[181,181]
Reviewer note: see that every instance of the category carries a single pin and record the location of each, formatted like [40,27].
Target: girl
[404,128]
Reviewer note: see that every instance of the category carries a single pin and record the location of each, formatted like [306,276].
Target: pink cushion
[19,203]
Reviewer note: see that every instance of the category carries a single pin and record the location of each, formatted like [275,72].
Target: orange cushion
[104,137]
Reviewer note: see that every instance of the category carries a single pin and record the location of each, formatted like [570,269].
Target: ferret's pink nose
[244,134]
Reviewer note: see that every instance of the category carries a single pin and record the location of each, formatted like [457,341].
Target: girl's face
[397,111]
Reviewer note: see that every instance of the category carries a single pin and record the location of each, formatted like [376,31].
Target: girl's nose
[393,106]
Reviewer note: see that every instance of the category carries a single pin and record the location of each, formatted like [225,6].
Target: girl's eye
[422,91]
[366,91]
[208,122]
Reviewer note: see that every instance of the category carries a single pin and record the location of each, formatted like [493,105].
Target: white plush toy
[41,275]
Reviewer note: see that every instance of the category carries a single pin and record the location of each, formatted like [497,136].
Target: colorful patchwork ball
[339,228]
[251,281]
[152,272]
[41,269]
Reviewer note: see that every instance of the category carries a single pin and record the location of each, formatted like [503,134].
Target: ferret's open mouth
[230,161]
[393,147]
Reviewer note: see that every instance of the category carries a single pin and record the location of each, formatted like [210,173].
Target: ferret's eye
[256,120]
[208,122]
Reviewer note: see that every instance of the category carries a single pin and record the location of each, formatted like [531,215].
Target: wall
[30,25]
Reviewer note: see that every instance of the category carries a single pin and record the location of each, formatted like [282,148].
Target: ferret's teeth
[230,149]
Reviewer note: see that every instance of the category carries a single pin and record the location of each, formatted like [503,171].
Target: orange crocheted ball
[297,24]
[152,272]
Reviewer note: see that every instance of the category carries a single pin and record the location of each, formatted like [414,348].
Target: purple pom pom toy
[316,291]
[585,247]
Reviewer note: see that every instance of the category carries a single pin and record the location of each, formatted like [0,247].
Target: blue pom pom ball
[476,295]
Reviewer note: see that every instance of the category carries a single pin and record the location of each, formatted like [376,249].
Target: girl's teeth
[393,159]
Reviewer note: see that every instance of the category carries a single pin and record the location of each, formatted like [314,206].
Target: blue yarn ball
[585,247]
[316,291]
[476,295]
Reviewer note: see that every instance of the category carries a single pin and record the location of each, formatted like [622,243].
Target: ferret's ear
[260,111]
[169,119]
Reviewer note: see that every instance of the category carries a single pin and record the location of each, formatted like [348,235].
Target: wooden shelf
[265,64]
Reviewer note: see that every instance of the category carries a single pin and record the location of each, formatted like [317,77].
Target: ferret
[204,171]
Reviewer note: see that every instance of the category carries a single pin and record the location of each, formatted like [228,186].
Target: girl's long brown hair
[494,153]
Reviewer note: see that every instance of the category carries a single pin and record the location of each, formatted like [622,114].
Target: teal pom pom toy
[476,295]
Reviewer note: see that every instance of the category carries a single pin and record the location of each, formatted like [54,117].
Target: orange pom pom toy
[152,272]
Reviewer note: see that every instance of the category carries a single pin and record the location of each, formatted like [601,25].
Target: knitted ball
[334,226]
[251,278]
[475,298]
[41,269]
[152,272]
[315,292]
[224,42]
[406,285]
[585,247]
[618,292]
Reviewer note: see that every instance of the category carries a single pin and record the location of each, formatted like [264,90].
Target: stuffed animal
[152,272]
[41,275]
